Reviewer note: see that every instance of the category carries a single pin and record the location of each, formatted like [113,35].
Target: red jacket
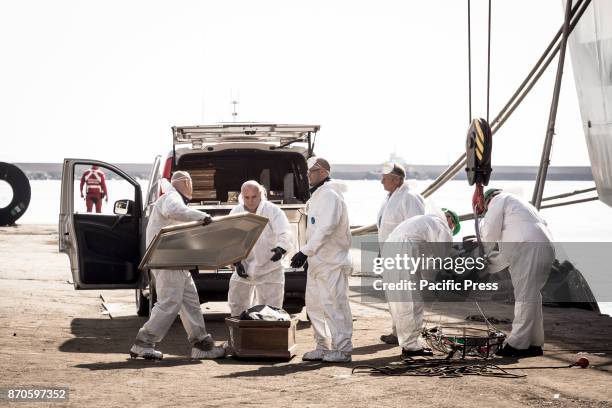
[94,180]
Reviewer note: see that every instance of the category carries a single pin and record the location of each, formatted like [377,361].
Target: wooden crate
[204,194]
[203,177]
[197,182]
[203,184]
[262,339]
[200,172]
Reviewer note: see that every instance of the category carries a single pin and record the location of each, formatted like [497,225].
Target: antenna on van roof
[234,102]
[235,112]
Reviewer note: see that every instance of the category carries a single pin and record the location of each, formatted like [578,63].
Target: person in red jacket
[95,188]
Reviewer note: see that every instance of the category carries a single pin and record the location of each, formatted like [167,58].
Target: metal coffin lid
[227,240]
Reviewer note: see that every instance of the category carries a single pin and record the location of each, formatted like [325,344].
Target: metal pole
[573,193]
[584,200]
[470,216]
[545,159]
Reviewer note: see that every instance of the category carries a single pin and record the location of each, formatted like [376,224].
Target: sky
[106,80]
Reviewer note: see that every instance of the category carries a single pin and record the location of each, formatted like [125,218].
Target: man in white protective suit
[427,235]
[260,278]
[176,292]
[400,204]
[525,242]
[328,239]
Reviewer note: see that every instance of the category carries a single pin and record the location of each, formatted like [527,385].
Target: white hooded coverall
[399,206]
[265,284]
[411,237]
[526,243]
[176,292]
[328,239]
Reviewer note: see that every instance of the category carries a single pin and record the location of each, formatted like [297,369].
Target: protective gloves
[298,260]
[278,254]
[240,270]
[207,220]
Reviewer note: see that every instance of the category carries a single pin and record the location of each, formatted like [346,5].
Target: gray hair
[394,169]
[254,184]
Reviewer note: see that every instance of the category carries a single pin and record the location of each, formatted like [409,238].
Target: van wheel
[142,303]
[293,305]
[293,309]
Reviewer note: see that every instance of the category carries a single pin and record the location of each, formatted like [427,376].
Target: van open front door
[102,239]
[99,224]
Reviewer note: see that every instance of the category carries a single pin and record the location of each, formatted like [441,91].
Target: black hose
[20,185]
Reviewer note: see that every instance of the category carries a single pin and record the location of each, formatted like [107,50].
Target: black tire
[293,306]
[21,193]
[142,303]
[294,309]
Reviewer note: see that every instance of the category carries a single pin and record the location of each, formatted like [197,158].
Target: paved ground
[52,335]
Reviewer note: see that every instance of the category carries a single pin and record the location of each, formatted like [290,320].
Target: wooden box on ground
[262,339]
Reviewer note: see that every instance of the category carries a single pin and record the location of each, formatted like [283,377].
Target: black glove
[207,220]
[278,254]
[240,270]
[298,260]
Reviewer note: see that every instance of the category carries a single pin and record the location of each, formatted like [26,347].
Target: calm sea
[588,222]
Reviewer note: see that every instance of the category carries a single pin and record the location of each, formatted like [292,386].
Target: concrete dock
[54,336]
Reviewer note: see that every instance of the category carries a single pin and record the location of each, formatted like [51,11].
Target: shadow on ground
[103,335]
[298,367]
[372,348]
[137,364]
[307,366]
[117,336]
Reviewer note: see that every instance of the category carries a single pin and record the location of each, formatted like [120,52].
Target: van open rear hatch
[277,135]
[220,157]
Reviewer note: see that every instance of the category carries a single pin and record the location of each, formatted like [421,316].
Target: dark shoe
[509,351]
[506,351]
[424,352]
[389,339]
[534,351]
